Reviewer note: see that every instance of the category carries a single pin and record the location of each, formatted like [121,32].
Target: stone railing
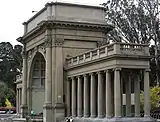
[108,50]
[18,78]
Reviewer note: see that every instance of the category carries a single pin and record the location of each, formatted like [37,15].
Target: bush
[7,93]
[154,98]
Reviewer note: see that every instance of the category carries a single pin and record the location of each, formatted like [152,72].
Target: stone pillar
[59,79]
[47,115]
[93,96]
[137,96]
[19,98]
[146,94]
[73,97]
[86,96]
[100,95]
[108,95]
[117,93]
[128,97]
[17,101]
[79,96]
[68,99]
[121,80]
[24,86]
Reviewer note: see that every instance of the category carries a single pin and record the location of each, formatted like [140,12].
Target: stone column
[128,97]
[79,96]
[17,101]
[68,98]
[108,95]
[117,93]
[48,83]
[100,95]
[86,96]
[137,96]
[146,94]
[19,97]
[24,86]
[93,95]
[73,97]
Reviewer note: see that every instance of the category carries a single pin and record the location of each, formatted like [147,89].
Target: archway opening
[38,83]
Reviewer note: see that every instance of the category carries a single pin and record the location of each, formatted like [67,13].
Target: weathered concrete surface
[123,119]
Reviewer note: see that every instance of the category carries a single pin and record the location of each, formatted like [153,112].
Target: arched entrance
[38,83]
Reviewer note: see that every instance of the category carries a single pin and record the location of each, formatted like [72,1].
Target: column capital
[48,42]
[92,73]
[73,78]
[85,75]
[117,69]
[59,41]
[107,70]
[99,72]
[79,76]
[147,70]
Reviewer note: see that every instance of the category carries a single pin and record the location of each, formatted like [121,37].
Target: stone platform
[122,119]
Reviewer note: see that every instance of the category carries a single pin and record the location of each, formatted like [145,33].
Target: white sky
[14,12]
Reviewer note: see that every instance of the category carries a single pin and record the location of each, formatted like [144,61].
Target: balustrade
[111,49]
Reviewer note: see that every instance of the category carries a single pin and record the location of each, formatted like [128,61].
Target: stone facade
[66,71]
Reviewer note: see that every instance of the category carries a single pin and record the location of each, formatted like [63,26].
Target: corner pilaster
[47,108]
[24,107]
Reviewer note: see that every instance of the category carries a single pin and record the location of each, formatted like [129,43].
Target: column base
[47,112]
[93,116]
[86,116]
[59,111]
[24,111]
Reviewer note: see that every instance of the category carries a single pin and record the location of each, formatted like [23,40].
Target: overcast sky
[14,12]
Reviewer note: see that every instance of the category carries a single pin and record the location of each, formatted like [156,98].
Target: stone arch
[37,82]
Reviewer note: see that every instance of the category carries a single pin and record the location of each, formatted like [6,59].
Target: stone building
[68,73]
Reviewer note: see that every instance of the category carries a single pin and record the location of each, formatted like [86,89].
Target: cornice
[57,24]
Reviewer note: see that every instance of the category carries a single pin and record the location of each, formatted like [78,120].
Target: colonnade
[19,99]
[99,94]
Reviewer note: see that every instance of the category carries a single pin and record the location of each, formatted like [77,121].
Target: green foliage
[134,20]
[154,98]
[7,93]
[10,62]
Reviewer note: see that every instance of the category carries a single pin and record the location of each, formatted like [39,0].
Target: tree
[154,98]
[10,62]
[135,21]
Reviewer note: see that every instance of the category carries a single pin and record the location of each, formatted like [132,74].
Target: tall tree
[135,21]
[10,62]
